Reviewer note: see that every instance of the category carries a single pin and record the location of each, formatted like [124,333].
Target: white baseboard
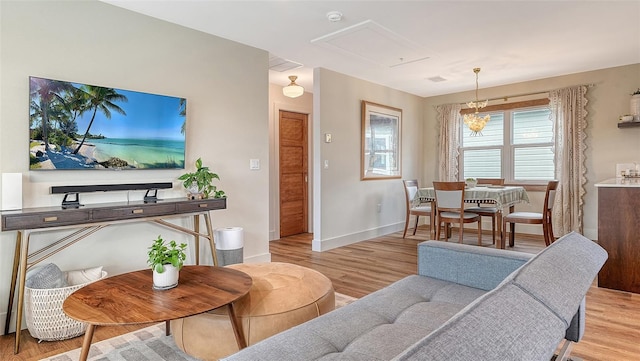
[265,257]
[330,243]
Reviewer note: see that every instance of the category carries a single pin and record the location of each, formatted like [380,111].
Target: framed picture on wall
[381,141]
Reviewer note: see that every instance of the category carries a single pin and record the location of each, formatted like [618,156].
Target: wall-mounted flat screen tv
[81,126]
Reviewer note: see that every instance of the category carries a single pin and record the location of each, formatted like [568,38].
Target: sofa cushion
[400,314]
[490,266]
[492,329]
[540,298]
[571,276]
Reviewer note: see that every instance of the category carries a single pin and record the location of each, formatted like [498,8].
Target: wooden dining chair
[450,209]
[490,210]
[543,218]
[410,190]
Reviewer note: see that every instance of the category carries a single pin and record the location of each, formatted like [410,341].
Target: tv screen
[81,126]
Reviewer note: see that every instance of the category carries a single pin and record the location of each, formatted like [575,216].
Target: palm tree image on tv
[121,129]
[99,98]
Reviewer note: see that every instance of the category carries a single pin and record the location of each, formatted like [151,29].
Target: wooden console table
[89,219]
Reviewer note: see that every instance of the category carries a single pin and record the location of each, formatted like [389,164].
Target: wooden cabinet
[618,216]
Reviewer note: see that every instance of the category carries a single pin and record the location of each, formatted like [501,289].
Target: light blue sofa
[466,303]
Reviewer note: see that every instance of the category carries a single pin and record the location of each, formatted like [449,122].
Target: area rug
[146,344]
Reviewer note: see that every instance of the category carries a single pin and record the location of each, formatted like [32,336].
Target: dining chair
[491,210]
[410,190]
[450,209]
[543,218]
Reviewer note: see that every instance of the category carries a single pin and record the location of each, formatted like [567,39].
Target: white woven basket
[45,319]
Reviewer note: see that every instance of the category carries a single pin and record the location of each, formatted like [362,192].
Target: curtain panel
[449,120]
[569,113]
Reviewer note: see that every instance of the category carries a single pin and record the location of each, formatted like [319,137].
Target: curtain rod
[505,98]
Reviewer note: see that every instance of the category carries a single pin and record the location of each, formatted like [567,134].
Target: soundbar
[72,199]
[110,187]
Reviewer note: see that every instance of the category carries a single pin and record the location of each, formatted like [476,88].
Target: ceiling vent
[437,79]
[279,64]
[371,41]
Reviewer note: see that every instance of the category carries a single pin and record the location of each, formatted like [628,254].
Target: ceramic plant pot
[167,279]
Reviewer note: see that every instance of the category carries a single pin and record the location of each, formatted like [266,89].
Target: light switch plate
[327,138]
[254,164]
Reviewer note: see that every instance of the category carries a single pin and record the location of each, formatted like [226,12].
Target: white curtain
[568,109]
[449,120]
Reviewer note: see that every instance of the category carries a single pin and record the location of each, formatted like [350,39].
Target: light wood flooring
[613,317]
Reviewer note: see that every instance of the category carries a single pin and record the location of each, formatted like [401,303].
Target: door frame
[275,167]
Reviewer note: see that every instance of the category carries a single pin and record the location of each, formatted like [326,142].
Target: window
[516,144]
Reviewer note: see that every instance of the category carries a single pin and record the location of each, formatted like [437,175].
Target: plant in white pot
[166,260]
[471,182]
[199,184]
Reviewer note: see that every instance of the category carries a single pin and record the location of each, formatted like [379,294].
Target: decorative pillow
[78,277]
[46,277]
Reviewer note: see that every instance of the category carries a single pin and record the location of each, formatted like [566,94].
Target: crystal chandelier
[473,120]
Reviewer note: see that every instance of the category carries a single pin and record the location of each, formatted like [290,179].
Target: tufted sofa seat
[466,303]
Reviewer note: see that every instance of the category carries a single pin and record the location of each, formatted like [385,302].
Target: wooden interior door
[293,173]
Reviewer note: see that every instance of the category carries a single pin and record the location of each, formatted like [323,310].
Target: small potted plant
[166,260]
[471,182]
[199,183]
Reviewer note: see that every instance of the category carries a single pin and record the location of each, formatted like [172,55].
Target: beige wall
[226,86]
[606,144]
[345,206]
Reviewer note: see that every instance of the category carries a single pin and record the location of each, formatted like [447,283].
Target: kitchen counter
[620,182]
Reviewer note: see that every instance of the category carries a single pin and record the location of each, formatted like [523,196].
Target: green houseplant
[166,260]
[162,254]
[471,182]
[200,182]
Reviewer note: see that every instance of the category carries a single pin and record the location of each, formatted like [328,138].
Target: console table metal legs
[21,260]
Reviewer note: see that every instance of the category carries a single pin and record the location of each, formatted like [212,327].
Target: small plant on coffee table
[161,254]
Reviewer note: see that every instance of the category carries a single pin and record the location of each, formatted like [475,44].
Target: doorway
[293,173]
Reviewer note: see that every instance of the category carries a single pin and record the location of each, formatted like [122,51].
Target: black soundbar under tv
[72,198]
[110,187]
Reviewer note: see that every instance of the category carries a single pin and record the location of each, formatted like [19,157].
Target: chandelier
[293,90]
[475,122]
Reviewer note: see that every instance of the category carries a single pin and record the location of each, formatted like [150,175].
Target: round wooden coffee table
[129,298]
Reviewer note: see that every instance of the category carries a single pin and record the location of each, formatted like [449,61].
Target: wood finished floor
[613,317]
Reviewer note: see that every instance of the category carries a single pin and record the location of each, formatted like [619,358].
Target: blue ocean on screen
[141,153]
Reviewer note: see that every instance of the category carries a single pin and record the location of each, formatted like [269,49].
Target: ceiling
[425,48]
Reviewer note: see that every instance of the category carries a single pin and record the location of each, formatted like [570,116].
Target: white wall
[345,206]
[606,144]
[226,86]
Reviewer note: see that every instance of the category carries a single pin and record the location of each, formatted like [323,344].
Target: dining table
[501,197]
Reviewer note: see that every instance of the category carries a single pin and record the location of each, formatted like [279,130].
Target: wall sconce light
[293,90]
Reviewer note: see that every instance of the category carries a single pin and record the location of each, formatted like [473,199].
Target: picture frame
[381,153]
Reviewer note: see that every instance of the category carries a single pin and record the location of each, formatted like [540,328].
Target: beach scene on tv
[80,126]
